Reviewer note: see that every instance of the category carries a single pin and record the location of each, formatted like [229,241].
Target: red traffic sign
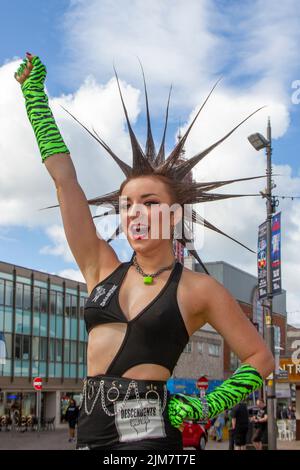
[202,383]
[38,383]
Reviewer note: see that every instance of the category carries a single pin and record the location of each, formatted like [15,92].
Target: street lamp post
[259,142]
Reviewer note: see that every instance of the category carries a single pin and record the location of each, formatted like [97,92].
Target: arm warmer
[245,380]
[47,134]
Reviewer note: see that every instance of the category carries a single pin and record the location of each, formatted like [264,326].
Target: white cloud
[73,274]
[60,246]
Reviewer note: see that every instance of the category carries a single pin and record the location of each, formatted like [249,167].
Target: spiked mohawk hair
[173,168]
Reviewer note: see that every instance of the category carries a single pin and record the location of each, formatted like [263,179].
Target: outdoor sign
[38,383]
[275,257]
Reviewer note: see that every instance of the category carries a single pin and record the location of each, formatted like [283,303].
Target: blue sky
[76,39]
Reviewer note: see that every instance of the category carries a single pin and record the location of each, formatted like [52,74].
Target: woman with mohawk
[141,313]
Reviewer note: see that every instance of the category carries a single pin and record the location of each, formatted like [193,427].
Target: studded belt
[112,389]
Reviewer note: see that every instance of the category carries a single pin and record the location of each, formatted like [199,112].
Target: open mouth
[138,231]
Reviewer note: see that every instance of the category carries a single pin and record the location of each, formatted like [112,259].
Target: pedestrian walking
[260,424]
[72,418]
[240,425]
[219,426]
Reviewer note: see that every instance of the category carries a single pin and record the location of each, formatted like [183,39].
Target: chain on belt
[91,392]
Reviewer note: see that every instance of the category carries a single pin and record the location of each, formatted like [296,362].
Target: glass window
[8,317]
[52,350]
[42,369]
[1,291]
[59,350]
[43,349]
[18,347]
[26,348]
[52,325]
[22,347]
[19,322]
[35,368]
[68,305]
[200,347]
[1,319]
[6,368]
[52,302]
[8,293]
[74,306]
[73,370]
[35,348]
[59,303]
[25,368]
[82,304]
[188,348]
[81,371]
[36,323]
[26,322]
[51,369]
[73,351]
[44,324]
[8,345]
[81,330]
[81,353]
[214,349]
[36,299]
[67,327]
[18,368]
[44,304]
[234,361]
[58,370]
[66,370]
[26,300]
[19,295]
[74,328]
[59,327]
[67,351]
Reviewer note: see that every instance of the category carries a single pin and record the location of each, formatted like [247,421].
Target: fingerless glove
[244,381]
[47,134]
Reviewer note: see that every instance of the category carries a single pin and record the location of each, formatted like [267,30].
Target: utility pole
[259,142]
[269,331]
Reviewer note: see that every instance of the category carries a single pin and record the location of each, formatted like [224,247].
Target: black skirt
[118,413]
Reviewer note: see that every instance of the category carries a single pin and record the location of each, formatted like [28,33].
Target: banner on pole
[275,257]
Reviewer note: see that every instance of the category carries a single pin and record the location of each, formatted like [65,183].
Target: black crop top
[157,335]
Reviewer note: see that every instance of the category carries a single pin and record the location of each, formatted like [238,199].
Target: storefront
[23,402]
[288,389]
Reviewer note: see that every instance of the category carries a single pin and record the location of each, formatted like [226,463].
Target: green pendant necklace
[148,278]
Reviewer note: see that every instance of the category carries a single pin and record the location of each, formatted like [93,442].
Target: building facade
[42,335]
[243,287]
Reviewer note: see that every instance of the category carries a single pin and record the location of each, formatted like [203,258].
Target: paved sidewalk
[31,440]
[281,445]
[58,440]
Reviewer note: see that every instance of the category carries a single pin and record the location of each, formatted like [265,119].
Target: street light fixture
[258,141]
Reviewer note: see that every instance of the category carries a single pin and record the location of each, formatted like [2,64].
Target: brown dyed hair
[174,170]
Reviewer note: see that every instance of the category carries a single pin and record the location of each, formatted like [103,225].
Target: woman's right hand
[25,68]
[33,68]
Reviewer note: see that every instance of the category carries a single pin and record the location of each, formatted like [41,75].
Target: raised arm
[92,254]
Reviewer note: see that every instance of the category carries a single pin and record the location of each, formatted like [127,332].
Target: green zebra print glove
[48,137]
[245,380]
